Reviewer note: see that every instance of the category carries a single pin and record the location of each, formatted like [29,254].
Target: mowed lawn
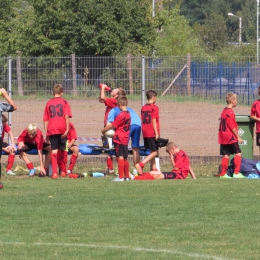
[95,218]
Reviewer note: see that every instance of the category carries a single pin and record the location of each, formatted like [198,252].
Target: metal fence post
[188,74]
[9,92]
[74,75]
[143,80]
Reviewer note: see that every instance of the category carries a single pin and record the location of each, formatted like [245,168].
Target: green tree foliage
[175,36]
[89,27]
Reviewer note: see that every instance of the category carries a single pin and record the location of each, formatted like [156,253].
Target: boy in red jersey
[181,166]
[228,138]
[255,115]
[121,138]
[7,148]
[150,129]
[32,138]
[10,106]
[56,126]
[71,138]
[109,103]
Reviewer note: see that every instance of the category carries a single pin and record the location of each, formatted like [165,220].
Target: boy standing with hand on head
[150,129]
[228,138]
[56,126]
[109,103]
[122,126]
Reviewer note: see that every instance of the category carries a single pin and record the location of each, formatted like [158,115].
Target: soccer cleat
[10,173]
[127,179]
[135,172]
[68,171]
[118,179]
[54,176]
[32,172]
[238,176]
[139,168]
[63,174]
[225,177]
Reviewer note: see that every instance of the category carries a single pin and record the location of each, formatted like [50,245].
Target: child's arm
[102,96]
[41,162]
[172,160]
[12,140]
[8,99]
[255,118]
[45,127]
[240,140]
[155,128]
[192,174]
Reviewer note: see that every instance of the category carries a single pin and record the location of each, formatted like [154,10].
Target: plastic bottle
[97,174]
[107,88]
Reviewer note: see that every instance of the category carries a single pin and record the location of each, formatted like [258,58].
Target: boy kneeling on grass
[181,166]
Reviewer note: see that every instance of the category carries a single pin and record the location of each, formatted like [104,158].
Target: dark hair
[150,94]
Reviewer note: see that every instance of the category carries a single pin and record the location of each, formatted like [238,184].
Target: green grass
[95,218]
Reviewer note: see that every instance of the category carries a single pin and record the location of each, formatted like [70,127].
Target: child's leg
[121,167]
[237,163]
[126,168]
[10,161]
[47,157]
[73,158]
[64,159]
[109,163]
[150,157]
[224,165]
[54,161]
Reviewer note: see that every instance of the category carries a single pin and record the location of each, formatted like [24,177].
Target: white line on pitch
[172,252]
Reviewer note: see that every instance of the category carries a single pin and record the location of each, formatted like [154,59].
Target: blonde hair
[170,145]
[121,92]
[230,97]
[32,128]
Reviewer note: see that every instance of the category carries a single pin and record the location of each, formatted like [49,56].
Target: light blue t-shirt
[135,119]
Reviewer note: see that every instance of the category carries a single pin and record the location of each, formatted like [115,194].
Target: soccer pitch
[95,218]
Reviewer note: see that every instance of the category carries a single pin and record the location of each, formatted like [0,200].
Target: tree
[175,36]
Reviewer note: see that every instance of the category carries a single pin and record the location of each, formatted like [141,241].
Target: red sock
[54,162]
[73,160]
[121,166]
[144,176]
[64,159]
[30,166]
[10,161]
[141,164]
[126,169]
[224,166]
[237,164]
[59,158]
[109,163]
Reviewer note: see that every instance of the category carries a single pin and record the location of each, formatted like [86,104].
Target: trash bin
[246,132]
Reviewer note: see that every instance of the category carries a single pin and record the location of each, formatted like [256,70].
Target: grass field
[95,218]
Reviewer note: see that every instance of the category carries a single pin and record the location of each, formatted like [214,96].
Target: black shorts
[4,145]
[34,146]
[169,175]
[258,139]
[227,149]
[57,143]
[151,143]
[121,150]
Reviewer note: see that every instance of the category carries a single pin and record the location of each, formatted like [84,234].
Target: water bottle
[97,174]
[107,88]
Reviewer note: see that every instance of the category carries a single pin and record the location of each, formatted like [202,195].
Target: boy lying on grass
[181,166]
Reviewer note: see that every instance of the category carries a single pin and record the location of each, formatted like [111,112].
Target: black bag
[162,142]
